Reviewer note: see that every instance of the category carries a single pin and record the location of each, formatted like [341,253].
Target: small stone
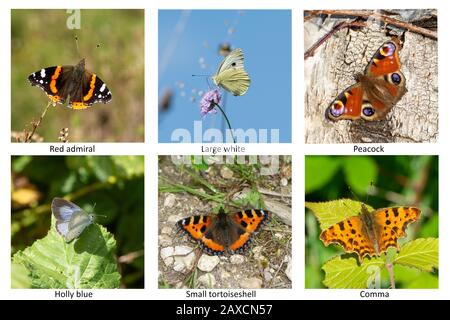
[166,230]
[183,263]
[267,276]
[166,252]
[182,250]
[207,280]
[226,173]
[169,201]
[175,218]
[279,236]
[288,270]
[224,275]
[257,252]
[284,182]
[164,240]
[251,283]
[168,261]
[237,259]
[207,263]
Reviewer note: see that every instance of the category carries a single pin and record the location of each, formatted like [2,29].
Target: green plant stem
[226,119]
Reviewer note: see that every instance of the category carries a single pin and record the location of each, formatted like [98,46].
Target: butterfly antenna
[78,47]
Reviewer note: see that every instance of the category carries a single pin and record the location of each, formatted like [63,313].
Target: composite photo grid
[240,150]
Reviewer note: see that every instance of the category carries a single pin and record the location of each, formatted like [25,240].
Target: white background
[151,148]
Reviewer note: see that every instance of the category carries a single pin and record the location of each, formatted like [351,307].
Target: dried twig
[339,26]
[29,136]
[377,16]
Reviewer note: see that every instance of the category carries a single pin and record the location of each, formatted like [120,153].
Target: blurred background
[395,180]
[40,38]
[195,42]
[106,185]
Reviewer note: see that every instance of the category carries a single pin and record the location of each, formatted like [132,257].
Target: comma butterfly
[371,233]
[225,233]
[377,90]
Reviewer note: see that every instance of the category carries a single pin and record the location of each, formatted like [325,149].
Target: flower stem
[30,135]
[228,122]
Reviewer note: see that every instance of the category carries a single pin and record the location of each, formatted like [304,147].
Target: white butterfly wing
[231,74]
[235,81]
[233,60]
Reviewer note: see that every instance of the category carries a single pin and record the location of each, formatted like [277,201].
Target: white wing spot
[41,81]
[42,73]
[102,88]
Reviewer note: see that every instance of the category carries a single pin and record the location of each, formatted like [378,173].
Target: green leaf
[420,253]
[430,228]
[19,277]
[348,274]
[411,278]
[360,172]
[129,166]
[199,163]
[332,212]
[318,171]
[87,262]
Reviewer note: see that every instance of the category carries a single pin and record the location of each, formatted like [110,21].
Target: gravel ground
[267,264]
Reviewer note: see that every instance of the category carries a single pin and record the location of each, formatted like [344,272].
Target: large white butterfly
[231,74]
[71,220]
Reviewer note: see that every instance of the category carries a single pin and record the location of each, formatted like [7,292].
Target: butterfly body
[376,91]
[371,233]
[75,84]
[231,74]
[71,220]
[224,233]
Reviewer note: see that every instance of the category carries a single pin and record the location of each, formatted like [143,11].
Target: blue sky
[188,44]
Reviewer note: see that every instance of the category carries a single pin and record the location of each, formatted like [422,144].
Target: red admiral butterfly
[225,233]
[74,83]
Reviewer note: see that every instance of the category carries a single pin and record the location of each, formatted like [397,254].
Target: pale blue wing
[78,222]
[62,228]
[63,209]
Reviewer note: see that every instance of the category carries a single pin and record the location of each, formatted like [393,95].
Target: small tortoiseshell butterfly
[225,233]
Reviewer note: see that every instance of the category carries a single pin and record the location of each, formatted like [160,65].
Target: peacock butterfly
[376,91]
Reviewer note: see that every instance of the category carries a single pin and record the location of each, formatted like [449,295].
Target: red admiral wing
[47,80]
[82,87]
[93,90]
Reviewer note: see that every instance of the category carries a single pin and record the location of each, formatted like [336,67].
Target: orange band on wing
[240,243]
[212,245]
[196,226]
[250,219]
[91,88]
[54,77]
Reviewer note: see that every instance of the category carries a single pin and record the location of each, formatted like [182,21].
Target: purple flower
[208,102]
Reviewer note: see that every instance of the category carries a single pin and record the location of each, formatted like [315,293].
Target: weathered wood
[333,68]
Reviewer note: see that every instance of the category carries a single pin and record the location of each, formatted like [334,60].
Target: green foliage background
[114,184]
[40,38]
[397,181]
